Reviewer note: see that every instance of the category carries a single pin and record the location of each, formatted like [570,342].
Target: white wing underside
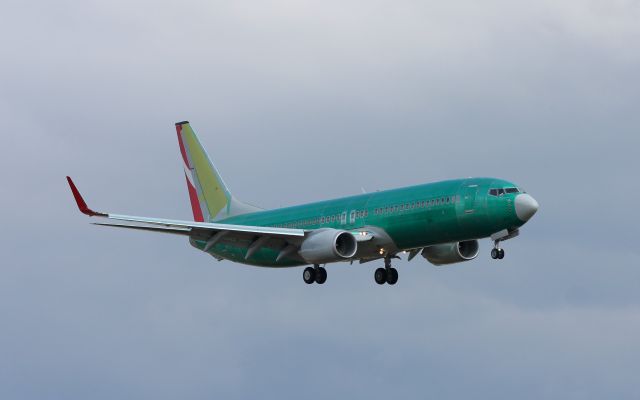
[188,227]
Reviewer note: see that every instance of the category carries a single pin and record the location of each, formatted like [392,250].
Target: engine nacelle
[328,245]
[451,253]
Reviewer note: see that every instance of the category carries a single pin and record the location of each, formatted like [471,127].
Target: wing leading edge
[182,227]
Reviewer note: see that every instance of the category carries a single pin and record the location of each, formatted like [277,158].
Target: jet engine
[328,245]
[451,253]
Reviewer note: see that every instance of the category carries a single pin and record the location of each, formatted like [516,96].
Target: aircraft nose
[526,206]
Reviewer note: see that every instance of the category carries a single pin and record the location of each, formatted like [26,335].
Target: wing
[257,236]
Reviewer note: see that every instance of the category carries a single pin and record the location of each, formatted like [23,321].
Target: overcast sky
[299,101]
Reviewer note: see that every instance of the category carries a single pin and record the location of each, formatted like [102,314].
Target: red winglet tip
[80,201]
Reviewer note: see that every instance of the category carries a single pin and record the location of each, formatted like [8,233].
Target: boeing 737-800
[442,221]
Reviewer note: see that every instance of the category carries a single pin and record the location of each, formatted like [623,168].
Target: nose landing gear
[497,253]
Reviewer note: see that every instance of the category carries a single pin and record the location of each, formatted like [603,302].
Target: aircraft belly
[264,257]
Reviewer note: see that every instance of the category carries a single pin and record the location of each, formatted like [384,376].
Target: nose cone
[526,206]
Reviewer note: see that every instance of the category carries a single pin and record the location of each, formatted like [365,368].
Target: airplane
[441,221]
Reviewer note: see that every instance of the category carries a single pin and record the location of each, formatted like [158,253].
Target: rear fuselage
[411,217]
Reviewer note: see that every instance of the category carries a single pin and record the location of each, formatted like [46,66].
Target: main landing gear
[315,274]
[388,274]
[497,253]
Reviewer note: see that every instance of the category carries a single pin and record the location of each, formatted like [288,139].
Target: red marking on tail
[195,203]
[183,151]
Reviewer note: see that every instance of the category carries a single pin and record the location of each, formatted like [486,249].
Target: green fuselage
[412,217]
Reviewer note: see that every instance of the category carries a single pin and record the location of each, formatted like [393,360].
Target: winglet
[81,203]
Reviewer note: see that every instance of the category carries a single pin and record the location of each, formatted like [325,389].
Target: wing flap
[213,226]
[175,231]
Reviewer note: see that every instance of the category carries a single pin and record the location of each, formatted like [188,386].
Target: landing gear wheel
[495,253]
[380,276]
[321,275]
[500,254]
[309,275]
[392,276]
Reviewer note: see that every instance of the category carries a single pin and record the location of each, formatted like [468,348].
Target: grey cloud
[375,94]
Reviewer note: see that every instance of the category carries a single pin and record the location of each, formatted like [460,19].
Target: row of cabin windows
[417,204]
[323,220]
[378,211]
[501,192]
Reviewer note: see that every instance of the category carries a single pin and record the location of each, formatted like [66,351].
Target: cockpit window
[500,192]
